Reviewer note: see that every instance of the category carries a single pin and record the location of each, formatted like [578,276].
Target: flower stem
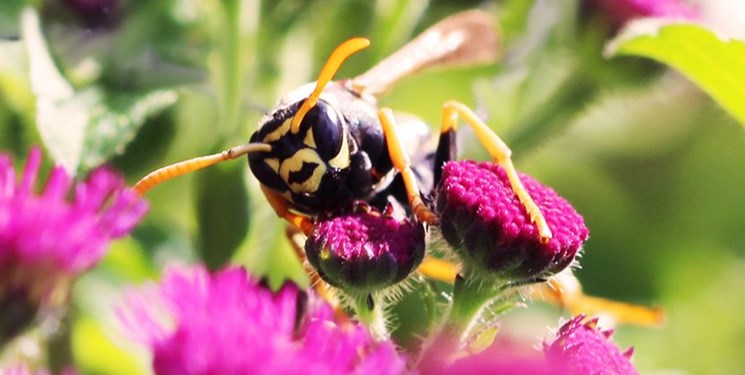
[370,312]
[472,299]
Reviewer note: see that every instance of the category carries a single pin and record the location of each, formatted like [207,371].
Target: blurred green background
[654,165]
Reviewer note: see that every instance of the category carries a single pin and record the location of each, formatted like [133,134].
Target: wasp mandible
[327,144]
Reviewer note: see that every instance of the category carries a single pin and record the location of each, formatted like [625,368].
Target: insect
[328,144]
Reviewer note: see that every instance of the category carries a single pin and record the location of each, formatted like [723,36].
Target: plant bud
[490,230]
[364,251]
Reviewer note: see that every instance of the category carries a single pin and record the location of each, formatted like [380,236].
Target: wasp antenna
[168,172]
[340,53]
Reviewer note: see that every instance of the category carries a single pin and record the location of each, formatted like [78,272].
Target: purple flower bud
[490,230]
[361,252]
[588,350]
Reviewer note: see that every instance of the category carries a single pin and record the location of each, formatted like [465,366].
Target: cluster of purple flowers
[227,322]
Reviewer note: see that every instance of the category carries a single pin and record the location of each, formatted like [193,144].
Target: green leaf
[82,128]
[115,119]
[55,97]
[711,60]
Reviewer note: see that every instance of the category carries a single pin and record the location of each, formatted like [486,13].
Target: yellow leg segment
[297,242]
[279,205]
[402,163]
[438,269]
[565,290]
[501,154]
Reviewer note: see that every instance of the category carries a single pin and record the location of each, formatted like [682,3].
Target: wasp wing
[466,38]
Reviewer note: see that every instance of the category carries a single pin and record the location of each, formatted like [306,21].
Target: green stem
[370,312]
[471,299]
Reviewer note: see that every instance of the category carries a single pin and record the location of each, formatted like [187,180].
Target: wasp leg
[297,242]
[297,233]
[496,148]
[565,290]
[402,163]
[279,205]
[439,269]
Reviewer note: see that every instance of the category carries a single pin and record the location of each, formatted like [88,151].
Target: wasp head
[307,166]
[310,152]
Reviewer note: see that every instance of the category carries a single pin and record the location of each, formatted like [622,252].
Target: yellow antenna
[168,172]
[341,53]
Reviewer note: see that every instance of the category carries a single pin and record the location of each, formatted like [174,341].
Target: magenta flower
[579,348]
[228,323]
[497,360]
[587,350]
[48,238]
[365,250]
[622,11]
[483,220]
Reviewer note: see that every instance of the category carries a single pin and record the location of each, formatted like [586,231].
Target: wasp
[328,144]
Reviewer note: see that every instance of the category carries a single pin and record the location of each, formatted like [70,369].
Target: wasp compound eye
[323,130]
[364,252]
[484,221]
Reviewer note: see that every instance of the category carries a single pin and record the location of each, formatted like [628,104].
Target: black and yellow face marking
[303,163]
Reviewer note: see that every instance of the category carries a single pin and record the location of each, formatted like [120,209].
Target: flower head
[48,238]
[579,348]
[365,250]
[497,359]
[483,220]
[228,323]
[588,350]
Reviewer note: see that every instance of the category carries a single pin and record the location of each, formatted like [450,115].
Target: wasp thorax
[306,166]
